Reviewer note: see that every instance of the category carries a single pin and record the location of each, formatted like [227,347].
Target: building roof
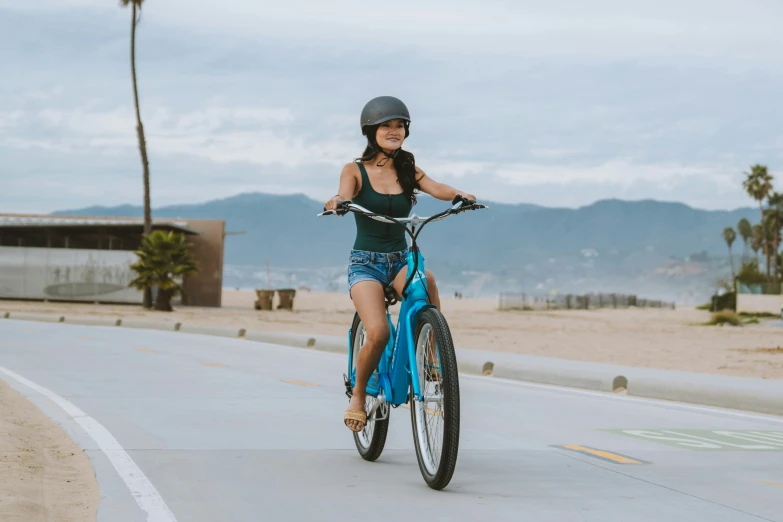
[64,222]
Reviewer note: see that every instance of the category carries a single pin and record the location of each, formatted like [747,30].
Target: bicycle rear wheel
[435,420]
[371,440]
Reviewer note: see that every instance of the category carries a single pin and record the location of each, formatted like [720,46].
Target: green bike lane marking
[709,440]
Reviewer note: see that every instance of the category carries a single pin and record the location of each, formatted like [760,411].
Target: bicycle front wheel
[435,419]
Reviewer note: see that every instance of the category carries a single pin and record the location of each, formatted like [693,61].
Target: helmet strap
[384,161]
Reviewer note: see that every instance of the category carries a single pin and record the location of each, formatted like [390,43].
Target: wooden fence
[523,301]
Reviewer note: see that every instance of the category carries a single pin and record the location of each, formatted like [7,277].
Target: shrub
[727,301]
[724,317]
[163,259]
[749,274]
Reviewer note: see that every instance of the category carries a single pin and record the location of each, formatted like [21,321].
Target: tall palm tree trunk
[765,240]
[147,303]
[731,260]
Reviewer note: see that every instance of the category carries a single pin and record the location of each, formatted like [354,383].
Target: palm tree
[135,18]
[773,222]
[163,261]
[746,231]
[775,225]
[758,185]
[729,236]
[772,227]
[758,240]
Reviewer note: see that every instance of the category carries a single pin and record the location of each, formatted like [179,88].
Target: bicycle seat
[390,295]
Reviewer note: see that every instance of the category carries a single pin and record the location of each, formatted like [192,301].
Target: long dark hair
[404,164]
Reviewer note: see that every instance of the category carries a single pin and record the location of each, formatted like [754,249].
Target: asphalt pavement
[196,428]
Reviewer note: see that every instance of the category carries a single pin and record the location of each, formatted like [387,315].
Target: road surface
[229,430]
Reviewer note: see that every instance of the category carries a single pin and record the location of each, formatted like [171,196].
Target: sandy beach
[45,475]
[653,338]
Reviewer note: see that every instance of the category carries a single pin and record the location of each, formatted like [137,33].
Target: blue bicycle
[418,367]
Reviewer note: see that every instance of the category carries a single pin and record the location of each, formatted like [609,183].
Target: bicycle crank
[348,387]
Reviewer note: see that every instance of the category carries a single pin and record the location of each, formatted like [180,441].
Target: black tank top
[374,236]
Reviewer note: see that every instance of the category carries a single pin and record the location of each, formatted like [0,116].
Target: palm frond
[163,259]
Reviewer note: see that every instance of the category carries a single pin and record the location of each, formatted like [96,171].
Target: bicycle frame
[393,371]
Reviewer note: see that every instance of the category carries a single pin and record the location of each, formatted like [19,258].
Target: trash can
[286,298]
[264,301]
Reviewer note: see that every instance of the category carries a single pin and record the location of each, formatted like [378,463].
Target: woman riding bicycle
[384,180]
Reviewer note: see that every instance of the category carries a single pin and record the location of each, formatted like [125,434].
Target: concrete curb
[328,343]
[322,343]
[23,316]
[93,321]
[285,339]
[150,325]
[219,331]
[740,393]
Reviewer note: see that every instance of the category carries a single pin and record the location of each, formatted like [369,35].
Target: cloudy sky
[559,103]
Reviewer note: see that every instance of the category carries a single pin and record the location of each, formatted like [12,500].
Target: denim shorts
[375,266]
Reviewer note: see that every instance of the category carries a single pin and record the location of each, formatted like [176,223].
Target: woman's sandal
[355,415]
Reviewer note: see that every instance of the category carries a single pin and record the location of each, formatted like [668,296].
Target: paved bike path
[230,430]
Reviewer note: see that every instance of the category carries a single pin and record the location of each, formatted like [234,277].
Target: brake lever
[474,206]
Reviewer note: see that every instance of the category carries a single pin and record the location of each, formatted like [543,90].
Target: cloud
[606,28]
[547,102]
[218,134]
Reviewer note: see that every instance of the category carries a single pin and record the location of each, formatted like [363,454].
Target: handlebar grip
[464,200]
[341,210]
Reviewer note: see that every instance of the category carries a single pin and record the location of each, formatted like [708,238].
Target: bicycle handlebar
[459,204]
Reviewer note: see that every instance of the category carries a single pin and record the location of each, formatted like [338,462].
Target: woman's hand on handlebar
[471,199]
[333,203]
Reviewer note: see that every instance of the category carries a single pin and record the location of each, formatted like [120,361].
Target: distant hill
[610,245]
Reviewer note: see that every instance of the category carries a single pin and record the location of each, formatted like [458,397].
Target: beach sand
[653,338]
[45,475]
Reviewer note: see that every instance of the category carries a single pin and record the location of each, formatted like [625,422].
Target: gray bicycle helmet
[384,108]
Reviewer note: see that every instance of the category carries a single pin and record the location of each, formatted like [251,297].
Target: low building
[74,258]
[760,299]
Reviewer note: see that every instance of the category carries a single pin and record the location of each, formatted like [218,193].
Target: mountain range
[651,248]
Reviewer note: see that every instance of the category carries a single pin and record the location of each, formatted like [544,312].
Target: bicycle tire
[372,439]
[449,389]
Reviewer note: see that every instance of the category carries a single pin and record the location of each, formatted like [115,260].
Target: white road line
[147,497]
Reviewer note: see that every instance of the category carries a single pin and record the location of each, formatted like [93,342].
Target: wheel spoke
[429,411]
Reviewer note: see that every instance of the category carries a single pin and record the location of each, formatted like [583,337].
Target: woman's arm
[439,190]
[348,187]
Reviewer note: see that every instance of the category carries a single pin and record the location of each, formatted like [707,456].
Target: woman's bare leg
[432,287]
[432,290]
[370,304]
